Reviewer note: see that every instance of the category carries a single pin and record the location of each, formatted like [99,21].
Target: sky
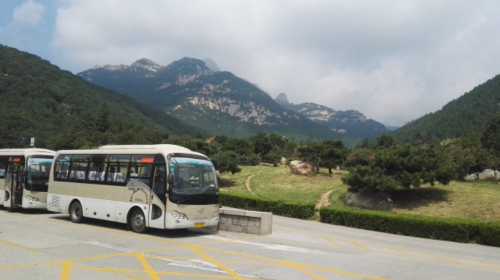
[394,61]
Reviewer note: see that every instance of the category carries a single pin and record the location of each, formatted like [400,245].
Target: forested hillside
[466,114]
[63,111]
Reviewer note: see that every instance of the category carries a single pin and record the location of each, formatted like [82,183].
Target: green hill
[468,113]
[63,111]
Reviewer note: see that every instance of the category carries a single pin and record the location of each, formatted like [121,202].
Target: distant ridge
[216,101]
[351,123]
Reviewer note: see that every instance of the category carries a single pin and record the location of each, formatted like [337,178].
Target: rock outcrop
[302,168]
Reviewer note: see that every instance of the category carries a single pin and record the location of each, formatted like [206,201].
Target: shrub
[458,230]
[278,207]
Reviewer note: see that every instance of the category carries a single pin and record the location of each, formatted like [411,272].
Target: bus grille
[55,201]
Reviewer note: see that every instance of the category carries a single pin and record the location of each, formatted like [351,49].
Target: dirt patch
[324,200]
[248,184]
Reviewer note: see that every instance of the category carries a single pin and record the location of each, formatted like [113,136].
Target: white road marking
[196,264]
[267,246]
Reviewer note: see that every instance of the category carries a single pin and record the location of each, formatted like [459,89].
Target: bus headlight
[32,199]
[178,215]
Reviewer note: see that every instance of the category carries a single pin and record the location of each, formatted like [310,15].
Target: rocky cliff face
[216,101]
[352,123]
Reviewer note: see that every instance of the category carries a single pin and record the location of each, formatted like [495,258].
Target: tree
[332,153]
[226,161]
[401,167]
[490,138]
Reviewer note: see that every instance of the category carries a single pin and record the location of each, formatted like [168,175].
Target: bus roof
[164,149]
[26,152]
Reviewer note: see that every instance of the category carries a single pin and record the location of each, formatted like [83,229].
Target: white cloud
[393,61]
[29,13]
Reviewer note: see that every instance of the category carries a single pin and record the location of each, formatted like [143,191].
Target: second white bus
[157,186]
[24,177]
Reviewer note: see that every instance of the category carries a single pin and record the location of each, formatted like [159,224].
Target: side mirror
[170,178]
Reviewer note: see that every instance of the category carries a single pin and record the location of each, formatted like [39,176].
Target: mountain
[61,110]
[217,101]
[468,113]
[351,123]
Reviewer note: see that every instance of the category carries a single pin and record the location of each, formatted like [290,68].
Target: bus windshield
[195,181]
[38,173]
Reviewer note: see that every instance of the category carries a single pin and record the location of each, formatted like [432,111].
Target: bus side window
[62,167]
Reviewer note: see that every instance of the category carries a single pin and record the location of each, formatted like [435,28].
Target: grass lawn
[470,200]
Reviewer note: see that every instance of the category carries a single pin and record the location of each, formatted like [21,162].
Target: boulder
[487,174]
[471,177]
[302,168]
[283,161]
[370,200]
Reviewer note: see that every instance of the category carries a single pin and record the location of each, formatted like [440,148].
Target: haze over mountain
[216,101]
[62,111]
[350,122]
[463,115]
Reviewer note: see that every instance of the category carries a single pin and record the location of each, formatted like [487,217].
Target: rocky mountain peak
[146,64]
[210,63]
[282,99]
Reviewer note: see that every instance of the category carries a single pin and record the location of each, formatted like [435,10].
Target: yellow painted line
[118,270]
[305,271]
[66,270]
[335,244]
[448,260]
[289,263]
[7,243]
[402,252]
[216,262]
[147,267]
[360,246]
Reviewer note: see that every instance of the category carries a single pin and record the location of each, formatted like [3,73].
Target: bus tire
[138,221]
[76,212]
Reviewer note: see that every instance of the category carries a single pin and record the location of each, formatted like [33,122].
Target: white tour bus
[157,186]
[24,177]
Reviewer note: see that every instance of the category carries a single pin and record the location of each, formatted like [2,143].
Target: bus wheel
[138,221]
[76,212]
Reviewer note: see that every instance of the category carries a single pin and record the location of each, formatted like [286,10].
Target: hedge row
[278,207]
[458,230]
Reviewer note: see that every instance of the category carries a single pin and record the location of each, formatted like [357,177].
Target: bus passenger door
[14,186]
[158,201]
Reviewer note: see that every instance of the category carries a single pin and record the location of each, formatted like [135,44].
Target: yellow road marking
[147,267]
[443,258]
[292,264]
[19,246]
[66,270]
[117,270]
[215,262]
[360,246]
[332,242]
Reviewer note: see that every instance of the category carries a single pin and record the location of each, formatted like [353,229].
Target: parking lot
[44,245]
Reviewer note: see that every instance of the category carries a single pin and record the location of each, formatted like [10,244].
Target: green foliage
[458,230]
[460,116]
[62,111]
[468,156]
[332,153]
[226,161]
[277,207]
[491,135]
[359,156]
[403,166]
